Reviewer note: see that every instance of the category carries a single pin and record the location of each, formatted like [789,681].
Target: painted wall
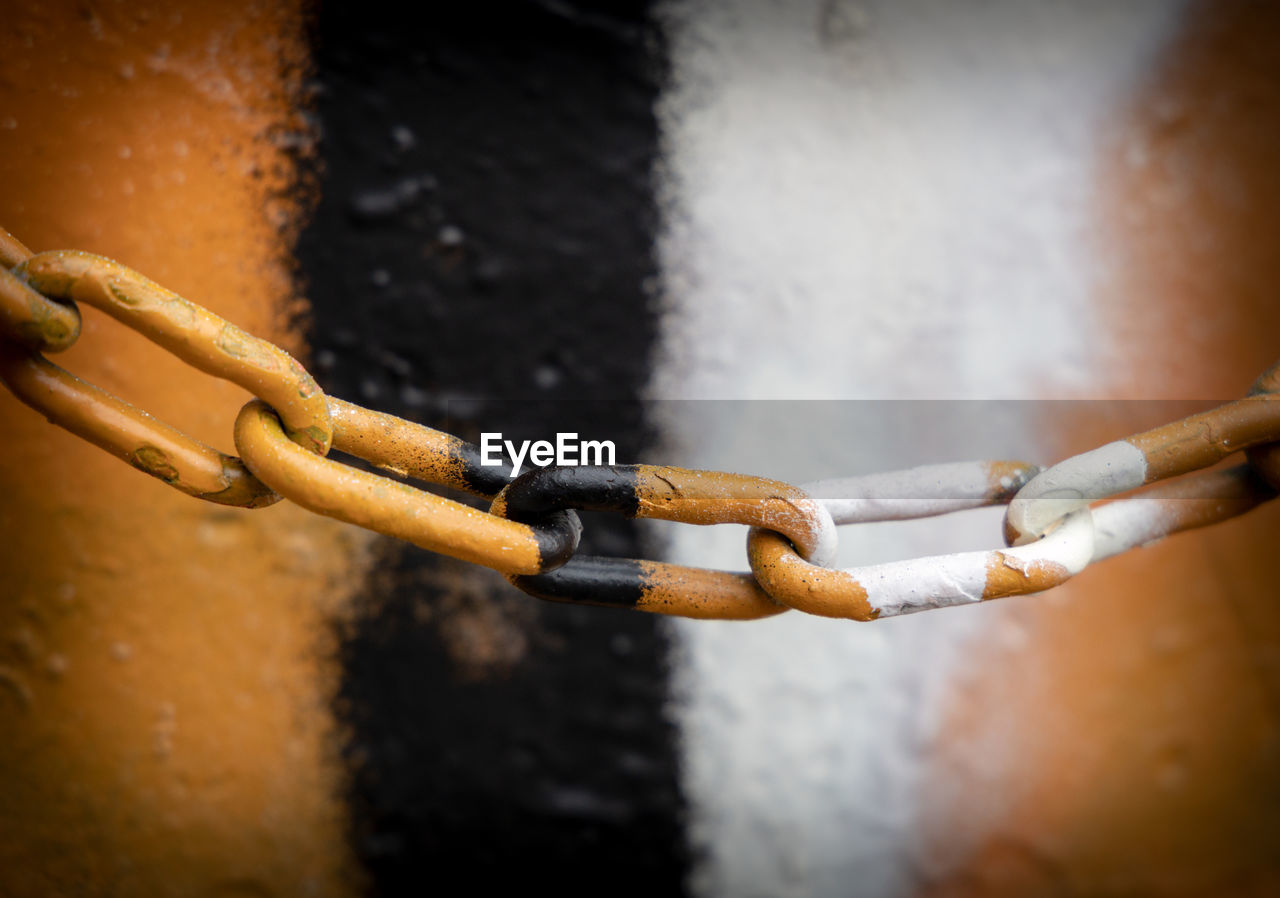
[973,201]
[478,260]
[471,218]
[166,665]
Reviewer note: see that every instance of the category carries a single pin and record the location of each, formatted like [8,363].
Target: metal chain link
[531,531]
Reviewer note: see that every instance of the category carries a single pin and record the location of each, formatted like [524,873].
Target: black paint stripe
[617,582]
[558,535]
[481,479]
[482,243]
[609,488]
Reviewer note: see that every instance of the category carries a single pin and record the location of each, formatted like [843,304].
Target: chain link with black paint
[531,532]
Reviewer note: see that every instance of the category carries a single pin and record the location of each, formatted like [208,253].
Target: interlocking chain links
[35,323]
[191,332]
[12,250]
[1195,442]
[531,528]
[1174,506]
[658,587]
[670,494]
[902,587]
[397,509]
[412,450]
[1266,458]
[129,433]
[28,318]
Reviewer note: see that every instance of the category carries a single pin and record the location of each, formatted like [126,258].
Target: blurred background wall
[642,222]
[974,201]
[165,672]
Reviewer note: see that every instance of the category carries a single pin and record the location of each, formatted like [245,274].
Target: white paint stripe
[905,587]
[1130,523]
[1075,482]
[863,200]
[903,495]
[824,553]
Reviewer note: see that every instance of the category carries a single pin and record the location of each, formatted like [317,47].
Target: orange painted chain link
[393,508]
[35,323]
[531,531]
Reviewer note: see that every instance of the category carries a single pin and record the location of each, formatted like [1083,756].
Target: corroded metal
[129,433]
[1266,458]
[671,494]
[411,450]
[654,586]
[872,591]
[682,495]
[33,320]
[1191,444]
[1175,506]
[396,509]
[531,531]
[12,251]
[191,332]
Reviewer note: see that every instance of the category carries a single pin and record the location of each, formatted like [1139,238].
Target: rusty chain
[530,533]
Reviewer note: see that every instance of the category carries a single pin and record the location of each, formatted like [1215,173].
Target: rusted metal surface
[903,587]
[1180,447]
[675,494]
[654,586]
[397,509]
[684,589]
[191,332]
[31,319]
[657,587]
[1173,507]
[12,250]
[412,450]
[671,494]
[1266,458]
[131,434]
[1125,724]
[531,530]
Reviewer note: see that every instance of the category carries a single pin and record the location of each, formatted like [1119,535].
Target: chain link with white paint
[531,531]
